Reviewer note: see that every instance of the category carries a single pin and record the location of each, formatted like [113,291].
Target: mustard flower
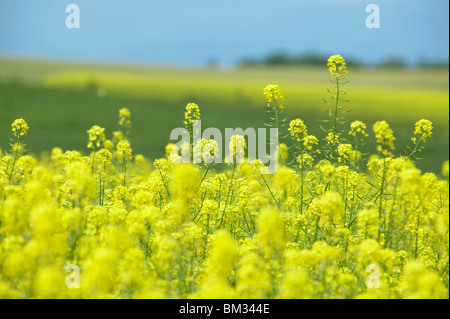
[357,127]
[344,151]
[19,127]
[96,136]
[296,128]
[424,129]
[332,138]
[385,137]
[273,93]
[336,65]
[124,149]
[445,168]
[192,113]
[124,117]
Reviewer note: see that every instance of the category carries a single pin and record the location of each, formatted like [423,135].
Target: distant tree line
[281,58]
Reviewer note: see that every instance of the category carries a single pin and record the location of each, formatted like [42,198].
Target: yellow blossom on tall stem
[385,137]
[297,129]
[192,113]
[124,117]
[338,69]
[124,152]
[424,129]
[274,97]
[273,93]
[19,127]
[96,137]
[337,66]
[125,120]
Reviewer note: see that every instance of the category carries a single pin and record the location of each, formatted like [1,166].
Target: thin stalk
[278,135]
[270,191]
[228,195]
[380,208]
[414,150]
[14,160]
[124,171]
[93,162]
[336,108]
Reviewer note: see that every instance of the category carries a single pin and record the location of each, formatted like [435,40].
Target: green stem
[124,170]
[270,191]
[228,195]
[417,237]
[301,185]
[165,185]
[93,162]
[203,178]
[278,135]
[380,208]
[14,160]
[414,150]
[336,108]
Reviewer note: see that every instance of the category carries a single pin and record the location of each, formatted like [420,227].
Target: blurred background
[154,57]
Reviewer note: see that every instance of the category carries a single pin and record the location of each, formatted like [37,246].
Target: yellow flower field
[332,223]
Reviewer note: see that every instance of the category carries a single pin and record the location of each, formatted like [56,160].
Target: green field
[62,100]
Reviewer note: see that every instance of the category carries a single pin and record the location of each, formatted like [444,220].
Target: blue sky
[191,32]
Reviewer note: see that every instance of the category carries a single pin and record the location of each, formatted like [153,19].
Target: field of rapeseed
[331,222]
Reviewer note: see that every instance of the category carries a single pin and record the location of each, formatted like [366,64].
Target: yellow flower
[124,117]
[96,136]
[271,228]
[296,128]
[273,93]
[295,285]
[109,145]
[424,128]
[192,113]
[104,155]
[124,149]
[309,141]
[284,152]
[332,138]
[344,151]
[420,283]
[336,65]
[445,168]
[204,150]
[168,149]
[368,222]
[237,146]
[357,127]
[327,169]
[117,136]
[19,127]
[223,254]
[305,160]
[384,136]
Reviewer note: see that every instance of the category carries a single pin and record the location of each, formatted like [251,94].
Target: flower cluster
[337,66]
[124,149]
[192,113]
[19,127]
[96,136]
[385,137]
[124,117]
[273,93]
[424,129]
[358,127]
